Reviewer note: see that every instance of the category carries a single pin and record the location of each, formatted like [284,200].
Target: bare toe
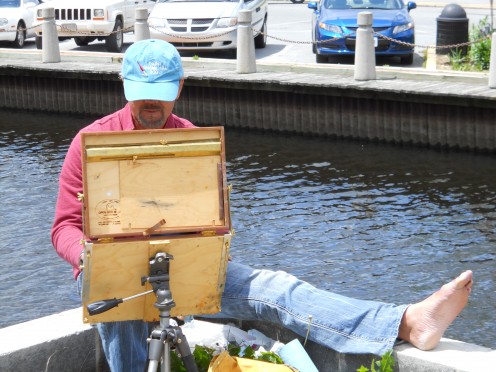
[424,323]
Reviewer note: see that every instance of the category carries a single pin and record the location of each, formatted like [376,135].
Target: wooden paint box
[155,191]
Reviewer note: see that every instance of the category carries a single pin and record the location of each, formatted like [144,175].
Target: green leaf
[233,350]
[249,353]
[177,364]
[203,357]
[271,357]
[387,362]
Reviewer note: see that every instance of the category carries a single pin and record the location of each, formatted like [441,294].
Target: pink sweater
[67,227]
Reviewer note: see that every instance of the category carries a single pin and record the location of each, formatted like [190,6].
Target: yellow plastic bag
[226,363]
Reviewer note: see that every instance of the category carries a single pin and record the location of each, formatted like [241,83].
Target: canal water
[366,220]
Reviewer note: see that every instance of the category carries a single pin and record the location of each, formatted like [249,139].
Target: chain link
[322,42]
[449,46]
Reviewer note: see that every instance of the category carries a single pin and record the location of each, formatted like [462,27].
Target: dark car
[334,25]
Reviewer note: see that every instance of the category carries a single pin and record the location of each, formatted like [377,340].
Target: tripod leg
[166,362]
[155,346]
[184,351]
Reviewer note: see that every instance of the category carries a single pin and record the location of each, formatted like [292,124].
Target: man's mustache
[151,107]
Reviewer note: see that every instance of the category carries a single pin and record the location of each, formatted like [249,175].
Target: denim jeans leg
[124,344]
[344,324]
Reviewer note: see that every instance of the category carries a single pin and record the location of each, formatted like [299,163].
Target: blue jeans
[341,323]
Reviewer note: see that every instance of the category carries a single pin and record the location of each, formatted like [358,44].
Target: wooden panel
[114,270]
[102,212]
[183,192]
[142,183]
[149,151]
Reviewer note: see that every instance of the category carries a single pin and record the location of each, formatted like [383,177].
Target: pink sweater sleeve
[67,227]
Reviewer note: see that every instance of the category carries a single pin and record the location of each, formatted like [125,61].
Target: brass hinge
[105,240]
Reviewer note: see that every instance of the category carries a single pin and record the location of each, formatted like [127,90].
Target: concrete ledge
[61,342]
[449,355]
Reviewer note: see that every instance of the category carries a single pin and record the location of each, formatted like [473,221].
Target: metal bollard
[141,29]
[492,63]
[364,48]
[50,38]
[246,63]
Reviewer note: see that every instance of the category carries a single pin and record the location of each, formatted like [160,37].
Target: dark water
[365,220]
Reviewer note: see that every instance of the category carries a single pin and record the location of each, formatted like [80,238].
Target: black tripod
[165,335]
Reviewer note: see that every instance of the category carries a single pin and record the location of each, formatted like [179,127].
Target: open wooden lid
[155,182]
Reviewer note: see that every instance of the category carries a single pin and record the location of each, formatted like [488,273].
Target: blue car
[337,19]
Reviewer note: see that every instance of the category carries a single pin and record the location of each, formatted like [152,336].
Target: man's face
[150,114]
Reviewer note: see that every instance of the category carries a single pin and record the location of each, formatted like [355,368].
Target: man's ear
[181,82]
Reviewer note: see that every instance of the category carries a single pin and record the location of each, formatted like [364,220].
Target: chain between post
[323,42]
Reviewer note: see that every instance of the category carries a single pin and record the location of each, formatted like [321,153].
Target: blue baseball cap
[152,70]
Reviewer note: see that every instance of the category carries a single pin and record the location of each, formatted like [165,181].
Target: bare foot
[424,323]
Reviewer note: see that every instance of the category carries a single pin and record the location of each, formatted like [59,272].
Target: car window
[10,3]
[363,4]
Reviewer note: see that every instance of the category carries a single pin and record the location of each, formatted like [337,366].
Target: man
[153,79]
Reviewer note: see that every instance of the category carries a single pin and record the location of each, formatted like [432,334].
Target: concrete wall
[61,342]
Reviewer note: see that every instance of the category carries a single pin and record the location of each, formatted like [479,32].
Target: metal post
[246,63]
[50,38]
[492,63]
[364,48]
[141,29]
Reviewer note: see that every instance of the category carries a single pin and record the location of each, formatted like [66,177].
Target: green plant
[459,61]
[203,356]
[480,51]
[195,58]
[386,364]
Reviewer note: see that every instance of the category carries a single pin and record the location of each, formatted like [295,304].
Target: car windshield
[10,3]
[363,4]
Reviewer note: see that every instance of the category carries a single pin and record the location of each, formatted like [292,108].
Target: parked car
[90,20]
[337,19]
[206,25]
[16,20]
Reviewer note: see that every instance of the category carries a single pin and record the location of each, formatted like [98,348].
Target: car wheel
[83,40]
[38,42]
[408,60]
[261,38]
[115,40]
[297,1]
[20,36]
[319,58]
